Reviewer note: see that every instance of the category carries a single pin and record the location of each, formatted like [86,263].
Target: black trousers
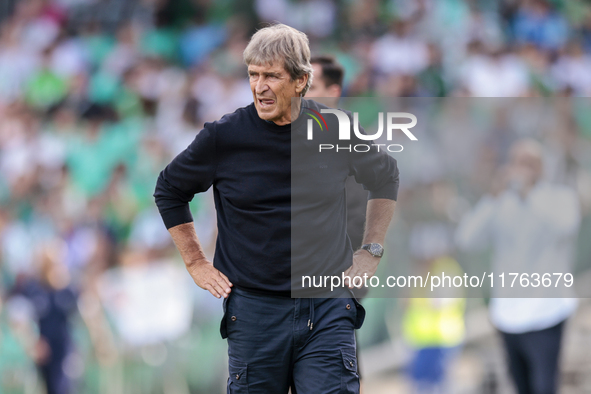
[275,343]
[533,359]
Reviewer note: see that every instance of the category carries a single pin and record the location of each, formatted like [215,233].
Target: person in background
[53,301]
[532,225]
[327,88]
[433,322]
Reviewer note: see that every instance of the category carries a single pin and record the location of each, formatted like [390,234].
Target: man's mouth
[265,103]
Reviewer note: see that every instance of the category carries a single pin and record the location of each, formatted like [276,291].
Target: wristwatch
[376,250]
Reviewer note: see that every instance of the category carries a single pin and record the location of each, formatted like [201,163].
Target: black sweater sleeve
[191,172]
[376,170]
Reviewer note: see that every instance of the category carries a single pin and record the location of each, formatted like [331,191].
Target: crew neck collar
[275,127]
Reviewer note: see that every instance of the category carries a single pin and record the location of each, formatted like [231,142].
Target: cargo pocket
[238,379]
[350,375]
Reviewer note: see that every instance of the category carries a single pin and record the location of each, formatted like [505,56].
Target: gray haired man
[263,197]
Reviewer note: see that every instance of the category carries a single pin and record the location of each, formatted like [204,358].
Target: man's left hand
[363,264]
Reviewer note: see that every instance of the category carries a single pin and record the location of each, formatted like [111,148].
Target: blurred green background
[97,96]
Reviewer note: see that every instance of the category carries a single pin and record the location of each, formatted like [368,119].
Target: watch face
[376,250]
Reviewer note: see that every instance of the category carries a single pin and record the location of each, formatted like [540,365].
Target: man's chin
[266,114]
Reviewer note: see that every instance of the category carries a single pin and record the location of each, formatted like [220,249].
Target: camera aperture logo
[315,115]
[345,130]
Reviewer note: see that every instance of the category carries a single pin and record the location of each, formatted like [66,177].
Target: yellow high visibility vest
[436,322]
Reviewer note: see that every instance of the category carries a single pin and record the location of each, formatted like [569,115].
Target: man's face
[272,90]
[525,166]
[319,88]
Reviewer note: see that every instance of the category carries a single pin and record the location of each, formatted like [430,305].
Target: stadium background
[96,96]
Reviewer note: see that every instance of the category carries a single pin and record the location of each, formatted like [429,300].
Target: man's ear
[301,83]
[335,90]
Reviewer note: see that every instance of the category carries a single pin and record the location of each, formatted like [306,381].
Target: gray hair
[281,43]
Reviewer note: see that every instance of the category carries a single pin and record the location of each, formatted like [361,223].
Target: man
[531,225]
[327,88]
[54,301]
[328,80]
[263,197]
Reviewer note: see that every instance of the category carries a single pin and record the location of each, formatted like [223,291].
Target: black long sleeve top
[281,205]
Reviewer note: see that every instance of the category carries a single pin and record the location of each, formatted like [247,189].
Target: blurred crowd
[97,96]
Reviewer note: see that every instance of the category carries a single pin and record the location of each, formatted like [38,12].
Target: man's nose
[261,86]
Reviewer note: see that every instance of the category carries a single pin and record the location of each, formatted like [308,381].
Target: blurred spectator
[400,51]
[537,23]
[573,70]
[326,88]
[17,339]
[46,88]
[531,225]
[328,80]
[53,301]
[483,72]
[433,328]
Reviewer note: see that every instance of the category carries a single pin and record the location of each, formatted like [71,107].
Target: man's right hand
[209,278]
[201,269]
